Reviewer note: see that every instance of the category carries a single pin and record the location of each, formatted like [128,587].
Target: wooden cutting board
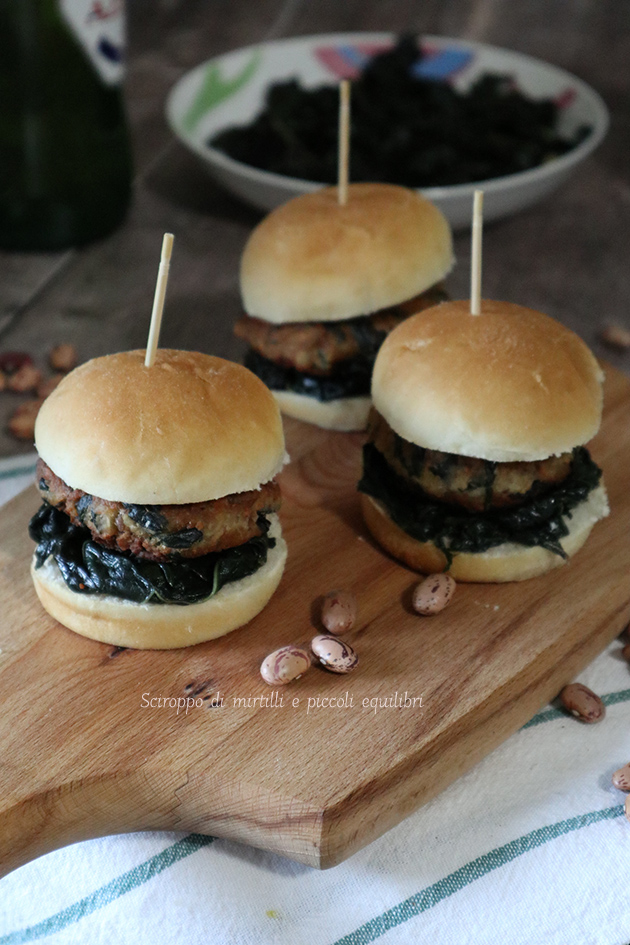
[84,753]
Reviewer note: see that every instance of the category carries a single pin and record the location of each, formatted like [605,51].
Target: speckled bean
[25,379]
[334,654]
[433,594]
[284,665]
[12,361]
[615,336]
[621,778]
[22,423]
[339,611]
[583,703]
[63,358]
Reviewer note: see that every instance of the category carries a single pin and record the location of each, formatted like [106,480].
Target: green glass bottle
[65,164]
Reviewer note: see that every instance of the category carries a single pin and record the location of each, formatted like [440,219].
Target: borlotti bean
[615,336]
[621,778]
[433,594]
[63,358]
[583,703]
[284,665]
[334,654]
[339,611]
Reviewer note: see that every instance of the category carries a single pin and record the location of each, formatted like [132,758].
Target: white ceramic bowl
[230,90]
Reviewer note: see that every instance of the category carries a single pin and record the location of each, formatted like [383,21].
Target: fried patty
[475,484]
[316,347]
[160,532]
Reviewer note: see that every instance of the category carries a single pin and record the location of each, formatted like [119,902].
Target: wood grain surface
[86,754]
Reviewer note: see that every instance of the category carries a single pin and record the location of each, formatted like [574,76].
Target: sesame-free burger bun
[510,384]
[344,413]
[313,259]
[191,428]
[506,562]
[161,626]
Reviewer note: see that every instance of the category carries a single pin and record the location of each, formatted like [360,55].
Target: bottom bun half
[161,626]
[345,414]
[507,562]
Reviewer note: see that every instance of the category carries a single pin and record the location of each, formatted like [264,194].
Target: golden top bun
[189,429]
[510,384]
[314,260]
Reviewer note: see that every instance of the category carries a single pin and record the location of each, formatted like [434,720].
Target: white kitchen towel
[531,847]
[16,473]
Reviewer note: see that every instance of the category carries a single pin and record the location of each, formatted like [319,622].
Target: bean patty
[475,484]
[160,532]
[315,347]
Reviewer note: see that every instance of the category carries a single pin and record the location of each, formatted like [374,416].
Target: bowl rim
[600,119]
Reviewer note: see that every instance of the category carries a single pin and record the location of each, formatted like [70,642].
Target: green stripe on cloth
[467,874]
[614,697]
[372,930]
[18,471]
[117,887]
[419,903]
[548,715]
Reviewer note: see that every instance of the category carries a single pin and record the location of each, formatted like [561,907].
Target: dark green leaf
[89,568]
[538,521]
[405,130]
[350,379]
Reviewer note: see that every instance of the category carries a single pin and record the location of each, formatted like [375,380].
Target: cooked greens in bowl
[484,116]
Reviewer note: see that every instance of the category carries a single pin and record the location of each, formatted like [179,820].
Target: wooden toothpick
[475,263]
[344,141]
[158,300]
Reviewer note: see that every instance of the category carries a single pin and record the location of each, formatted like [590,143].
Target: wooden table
[567,256]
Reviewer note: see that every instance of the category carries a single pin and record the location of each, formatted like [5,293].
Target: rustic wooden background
[567,256]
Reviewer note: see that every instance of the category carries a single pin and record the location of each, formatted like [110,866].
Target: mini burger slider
[158,527]
[323,284]
[476,461]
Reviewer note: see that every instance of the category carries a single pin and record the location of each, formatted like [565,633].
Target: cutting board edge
[548,686]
